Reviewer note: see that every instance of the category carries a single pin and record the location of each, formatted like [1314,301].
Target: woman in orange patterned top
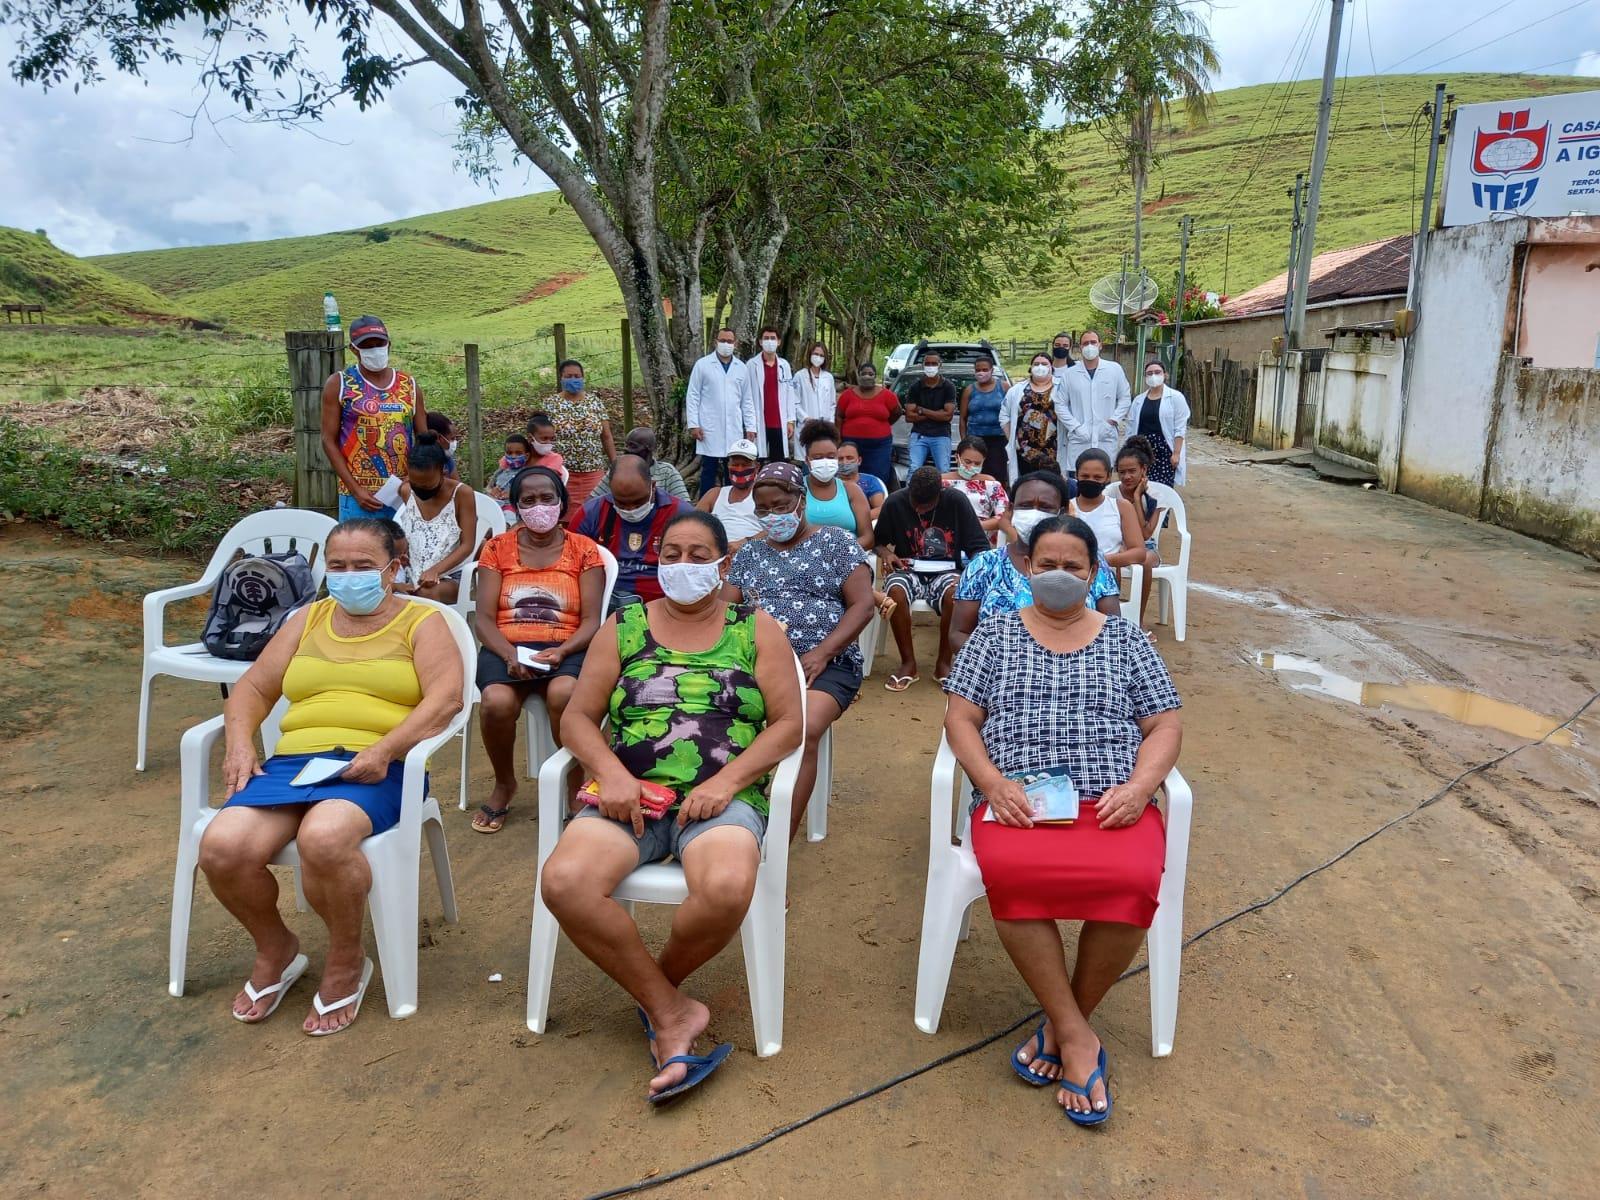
[539,590]
[370,416]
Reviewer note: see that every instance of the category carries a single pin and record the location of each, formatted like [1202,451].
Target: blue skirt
[380,801]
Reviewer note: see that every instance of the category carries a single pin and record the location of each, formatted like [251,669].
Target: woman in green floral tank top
[702,698]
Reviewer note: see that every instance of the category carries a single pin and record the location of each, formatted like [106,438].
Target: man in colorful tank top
[370,415]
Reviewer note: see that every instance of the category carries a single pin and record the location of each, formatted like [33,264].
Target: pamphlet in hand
[319,770]
[388,495]
[525,656]
[931,566]
[1051,794]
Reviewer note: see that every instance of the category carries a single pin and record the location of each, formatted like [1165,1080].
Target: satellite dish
[1125,294]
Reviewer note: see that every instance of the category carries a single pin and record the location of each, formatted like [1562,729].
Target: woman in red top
[865,415]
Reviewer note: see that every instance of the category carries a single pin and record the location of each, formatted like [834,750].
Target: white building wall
[1360,403]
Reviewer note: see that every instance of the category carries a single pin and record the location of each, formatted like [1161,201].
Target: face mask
[848,469]
[374,358]
[967,472]
[1059,351]
[770,345]
[1153,380]
[357,592]
[422,493]
[931,372]
[1090,490]
[824,469]
[544,447]
[782,526]
[572,386]
[725,349]
[742,478]
[541,518]
[1024,520]
[689,583]
[453,446]
[818,359]
[634,515]
[1040,370]
[1059,591]
[517,461]
[983,376]
[1090,352]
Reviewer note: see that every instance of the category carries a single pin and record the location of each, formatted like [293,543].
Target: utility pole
[1185,226]
[1427,197]
[1319,159]
[1122,297]
[1296,247]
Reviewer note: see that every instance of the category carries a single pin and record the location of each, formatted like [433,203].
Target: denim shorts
[664,838]
[838,682]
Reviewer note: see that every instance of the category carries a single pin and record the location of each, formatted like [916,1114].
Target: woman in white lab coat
[812,394]
[1161,417]
[719,409]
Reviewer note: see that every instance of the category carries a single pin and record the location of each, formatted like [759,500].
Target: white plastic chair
[392,855]
[275,531]
[954,882]
[538,734]
[762,933]
[1173,598]
[817,808]
[491,522]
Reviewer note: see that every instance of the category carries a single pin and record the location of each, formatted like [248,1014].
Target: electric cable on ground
[894,1081]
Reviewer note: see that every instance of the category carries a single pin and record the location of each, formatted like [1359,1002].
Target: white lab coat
[1095,402]
[756,375]
[719,402]
[1066,423]
[1174,425]
[810,401]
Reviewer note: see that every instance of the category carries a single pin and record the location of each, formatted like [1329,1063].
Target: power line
[1377,78]
[1453,33]
[1307,35]
[1502,37]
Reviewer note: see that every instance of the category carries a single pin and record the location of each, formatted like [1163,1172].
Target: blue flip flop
[700,1066]
[1024,1070]
[1089,1118]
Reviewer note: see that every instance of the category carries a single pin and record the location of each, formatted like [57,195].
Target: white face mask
[1023,520]
[373,358]
[454,445]
[725,349]
[635,515]
[1040,370]
[770,345]
[543,447]
[1090,351]
[930,372]
[1154,379]
[689,583]
[824,469]
[817,360]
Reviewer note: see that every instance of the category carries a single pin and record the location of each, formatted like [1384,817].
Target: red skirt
[579,485]
[1076,872]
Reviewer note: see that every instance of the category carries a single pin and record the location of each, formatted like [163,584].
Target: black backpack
[253,598]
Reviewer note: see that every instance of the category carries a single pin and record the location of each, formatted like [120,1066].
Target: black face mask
[1090,491]
[422,493]
[1060,352]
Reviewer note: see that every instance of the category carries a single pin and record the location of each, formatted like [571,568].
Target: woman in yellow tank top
[368,675]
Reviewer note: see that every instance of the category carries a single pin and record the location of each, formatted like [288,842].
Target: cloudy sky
[115,167]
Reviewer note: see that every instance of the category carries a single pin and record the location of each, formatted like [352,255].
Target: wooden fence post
[474,418]
[627,376]
[313,356]
[559,332]
[711,333]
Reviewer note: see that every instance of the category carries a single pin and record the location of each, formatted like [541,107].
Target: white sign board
[1524,158]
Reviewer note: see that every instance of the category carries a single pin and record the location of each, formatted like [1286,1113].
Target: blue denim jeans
[923,449]
[712,472]
[349,509]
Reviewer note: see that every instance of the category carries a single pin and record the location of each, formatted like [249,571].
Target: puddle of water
[1469,708]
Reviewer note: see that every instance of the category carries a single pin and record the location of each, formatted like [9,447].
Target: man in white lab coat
[771,383]
[720,409]
[1097,392]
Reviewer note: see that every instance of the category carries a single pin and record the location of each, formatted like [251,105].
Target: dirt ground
[1419,1020]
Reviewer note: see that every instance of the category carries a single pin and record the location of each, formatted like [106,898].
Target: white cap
[745,448]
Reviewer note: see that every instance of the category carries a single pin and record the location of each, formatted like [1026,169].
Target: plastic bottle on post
[330,312]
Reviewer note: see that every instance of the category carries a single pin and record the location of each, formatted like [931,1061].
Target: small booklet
[931,566]
[1051,794]
[388,494]
[319,770]
[525,656]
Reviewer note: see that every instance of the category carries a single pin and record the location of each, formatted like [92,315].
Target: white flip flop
[291,976]
[324,1009]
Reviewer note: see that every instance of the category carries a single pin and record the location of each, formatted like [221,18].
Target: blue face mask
[781,526]
[357,592]
[572,385]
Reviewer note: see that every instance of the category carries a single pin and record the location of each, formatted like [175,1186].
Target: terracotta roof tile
[1371,269]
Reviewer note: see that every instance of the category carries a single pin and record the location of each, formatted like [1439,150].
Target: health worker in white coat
[771,383]
[1162,418]
[719,408]
[814,397]
[1097,392]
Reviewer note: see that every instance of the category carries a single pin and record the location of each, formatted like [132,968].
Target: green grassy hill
[511,268]
[33,271]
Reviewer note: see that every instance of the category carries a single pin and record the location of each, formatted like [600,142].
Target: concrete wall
[1276,412]
[1359,403]
[1244,338]
[1559,325]
[1544,461]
